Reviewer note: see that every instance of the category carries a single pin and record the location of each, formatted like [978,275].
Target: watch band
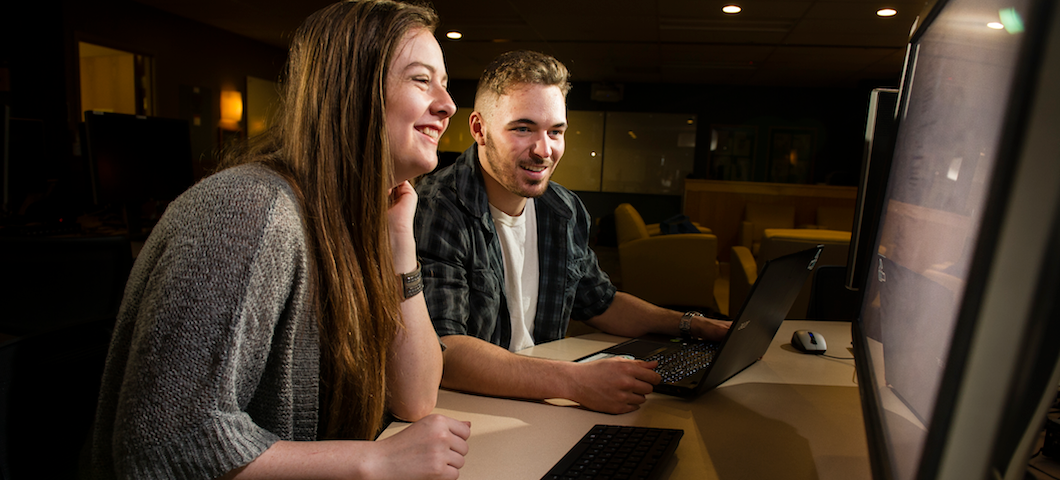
[686,323]
[412,282]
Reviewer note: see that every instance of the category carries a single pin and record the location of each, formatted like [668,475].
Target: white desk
[789,416]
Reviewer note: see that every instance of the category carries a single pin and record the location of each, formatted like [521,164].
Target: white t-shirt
[518,236]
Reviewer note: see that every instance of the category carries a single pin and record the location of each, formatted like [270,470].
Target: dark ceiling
[772,42]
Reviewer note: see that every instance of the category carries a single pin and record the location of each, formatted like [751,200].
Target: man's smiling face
[522,138]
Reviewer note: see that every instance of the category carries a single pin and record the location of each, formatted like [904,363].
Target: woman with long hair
[277,301]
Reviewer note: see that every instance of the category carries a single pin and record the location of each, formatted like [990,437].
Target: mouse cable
[837,358]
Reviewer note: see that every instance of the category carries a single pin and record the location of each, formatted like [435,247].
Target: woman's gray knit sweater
[215,354]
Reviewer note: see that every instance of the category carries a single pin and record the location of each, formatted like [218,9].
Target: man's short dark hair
[522,67]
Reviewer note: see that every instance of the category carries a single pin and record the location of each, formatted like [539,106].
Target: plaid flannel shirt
[463,270]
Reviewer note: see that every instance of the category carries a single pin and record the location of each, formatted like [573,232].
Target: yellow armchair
[631,226]
[676,270]
[760,216]
[776,242]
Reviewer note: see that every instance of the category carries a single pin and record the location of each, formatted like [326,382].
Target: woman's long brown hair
[332,147]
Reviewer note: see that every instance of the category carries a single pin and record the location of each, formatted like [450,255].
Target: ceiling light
[731,9]
[454,35]
[996,25]
[886,12]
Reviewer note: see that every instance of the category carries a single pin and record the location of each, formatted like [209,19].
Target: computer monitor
[957,345]
[26,171]
[881,126]
[134,159]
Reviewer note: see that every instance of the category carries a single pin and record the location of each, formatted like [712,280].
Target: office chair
[49,385]
[47,282]
[829,297]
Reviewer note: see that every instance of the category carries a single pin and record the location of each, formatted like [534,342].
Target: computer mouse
[808,342]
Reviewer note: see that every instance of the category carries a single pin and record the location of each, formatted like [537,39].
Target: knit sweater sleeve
[210,320]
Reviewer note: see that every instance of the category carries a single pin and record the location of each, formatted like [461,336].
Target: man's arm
[629,316]
[613,385]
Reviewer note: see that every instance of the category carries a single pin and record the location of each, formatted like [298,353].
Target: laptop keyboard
[618,452]
[675,366]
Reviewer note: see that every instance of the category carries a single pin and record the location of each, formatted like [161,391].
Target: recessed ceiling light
[996,25]
[886,12]
[731,9]
[454,35]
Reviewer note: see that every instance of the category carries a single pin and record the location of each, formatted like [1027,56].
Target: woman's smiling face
[418,105]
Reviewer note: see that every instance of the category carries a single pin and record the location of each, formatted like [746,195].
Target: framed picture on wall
[791,155]
[732,152]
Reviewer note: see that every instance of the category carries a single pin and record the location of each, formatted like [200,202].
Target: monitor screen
[134,158]
[970,66]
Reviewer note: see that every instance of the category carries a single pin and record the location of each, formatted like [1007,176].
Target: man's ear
[478,128]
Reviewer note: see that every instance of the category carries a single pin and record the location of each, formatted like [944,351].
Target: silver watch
[686,323]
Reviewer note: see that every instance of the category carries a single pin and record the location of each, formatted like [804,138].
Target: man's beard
[494,157]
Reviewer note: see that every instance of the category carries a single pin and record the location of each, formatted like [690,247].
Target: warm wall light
[231,109]
[996,25]
[886,12]
[731,9]
[454,35]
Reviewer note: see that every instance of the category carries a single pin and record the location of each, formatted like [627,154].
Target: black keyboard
[677,365]
[618,452]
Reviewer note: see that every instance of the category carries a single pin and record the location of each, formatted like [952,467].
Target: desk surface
[788,416]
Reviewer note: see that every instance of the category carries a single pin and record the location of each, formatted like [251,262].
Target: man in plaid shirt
[502,273]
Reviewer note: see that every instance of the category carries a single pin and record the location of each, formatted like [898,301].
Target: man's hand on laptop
[614,385]
[710,328]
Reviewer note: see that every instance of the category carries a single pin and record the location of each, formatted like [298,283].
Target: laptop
[690,366]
